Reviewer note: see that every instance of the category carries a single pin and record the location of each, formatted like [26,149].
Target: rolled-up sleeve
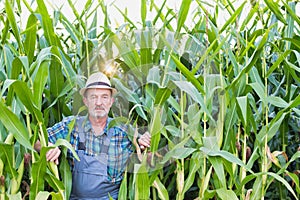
[59,130]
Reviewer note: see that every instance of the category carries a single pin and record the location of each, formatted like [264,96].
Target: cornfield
[220,99]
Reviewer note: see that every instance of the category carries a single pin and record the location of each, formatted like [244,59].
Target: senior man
[103,151]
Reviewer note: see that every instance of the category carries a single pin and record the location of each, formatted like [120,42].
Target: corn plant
[221,100]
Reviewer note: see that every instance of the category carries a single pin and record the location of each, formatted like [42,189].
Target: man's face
[98,101]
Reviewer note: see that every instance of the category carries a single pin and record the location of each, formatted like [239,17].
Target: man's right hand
[53,154]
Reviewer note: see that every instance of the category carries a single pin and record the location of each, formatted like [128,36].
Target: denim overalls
[90,178]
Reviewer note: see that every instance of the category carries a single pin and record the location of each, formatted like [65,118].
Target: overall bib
[90,178]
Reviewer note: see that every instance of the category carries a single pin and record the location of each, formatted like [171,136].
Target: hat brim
[83,90]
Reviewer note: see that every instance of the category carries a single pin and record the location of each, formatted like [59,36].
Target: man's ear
[84,100]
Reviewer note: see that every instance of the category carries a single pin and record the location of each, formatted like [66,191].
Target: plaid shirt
[119,150]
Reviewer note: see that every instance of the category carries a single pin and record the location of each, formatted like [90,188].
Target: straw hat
[98,80]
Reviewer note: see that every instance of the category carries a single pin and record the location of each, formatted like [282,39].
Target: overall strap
[80,129]
[106,141]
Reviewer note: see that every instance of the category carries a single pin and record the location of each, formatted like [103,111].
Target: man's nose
[98,101]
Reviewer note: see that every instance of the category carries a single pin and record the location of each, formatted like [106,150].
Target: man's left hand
[145,141]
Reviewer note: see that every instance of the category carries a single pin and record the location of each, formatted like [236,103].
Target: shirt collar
[88,125]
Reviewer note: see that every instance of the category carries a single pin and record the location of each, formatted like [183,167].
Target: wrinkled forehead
[98,91]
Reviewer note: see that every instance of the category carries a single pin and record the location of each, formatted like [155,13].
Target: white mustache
[99,107]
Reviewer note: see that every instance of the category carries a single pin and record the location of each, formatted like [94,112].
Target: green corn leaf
[219,170]
[7,155]
[205,182]
[295,156]
[47,24]
[278,62]
[162,17]
[126,18]
[272,129]
[13,24]
[256,55]
[274,126]
[183,12]
[295,180]
[259,89]
[5,31]
[25,95]
[142,187]
[255,76]
[248,48]
[130,96]
[123,187]
[66,64]
[71,29]
[226,155]
[294,41]
[30,34]
[257,188]
[155,128]
[154,76]
[129,53]
[203,7]
[56,195]
[246,180]
[146,38]
[159,11]
[174,104]
[65,143]
[210,143]
[230,117]
[249,16]
[284,182]
[191,90]
[194,166]
[188,74]
[93,28]
[291,12]
[66,90]
[17,196]
[54,183]
[242,102]
[226,194]
[277,101]
[162,95]
[87,5]
[43,195]
[39,84]
[38,172]
[144,12]
[20,171]
[13,124]
[275,9]
[162,191]
[66,174]
[233,17]
[78,17]
[178,153]
[17,67]
[56,78]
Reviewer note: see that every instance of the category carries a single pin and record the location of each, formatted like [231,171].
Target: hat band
[97,83]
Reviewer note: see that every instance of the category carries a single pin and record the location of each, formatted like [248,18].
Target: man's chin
[100,115]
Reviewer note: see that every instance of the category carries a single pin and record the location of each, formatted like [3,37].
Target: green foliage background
[224,98]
